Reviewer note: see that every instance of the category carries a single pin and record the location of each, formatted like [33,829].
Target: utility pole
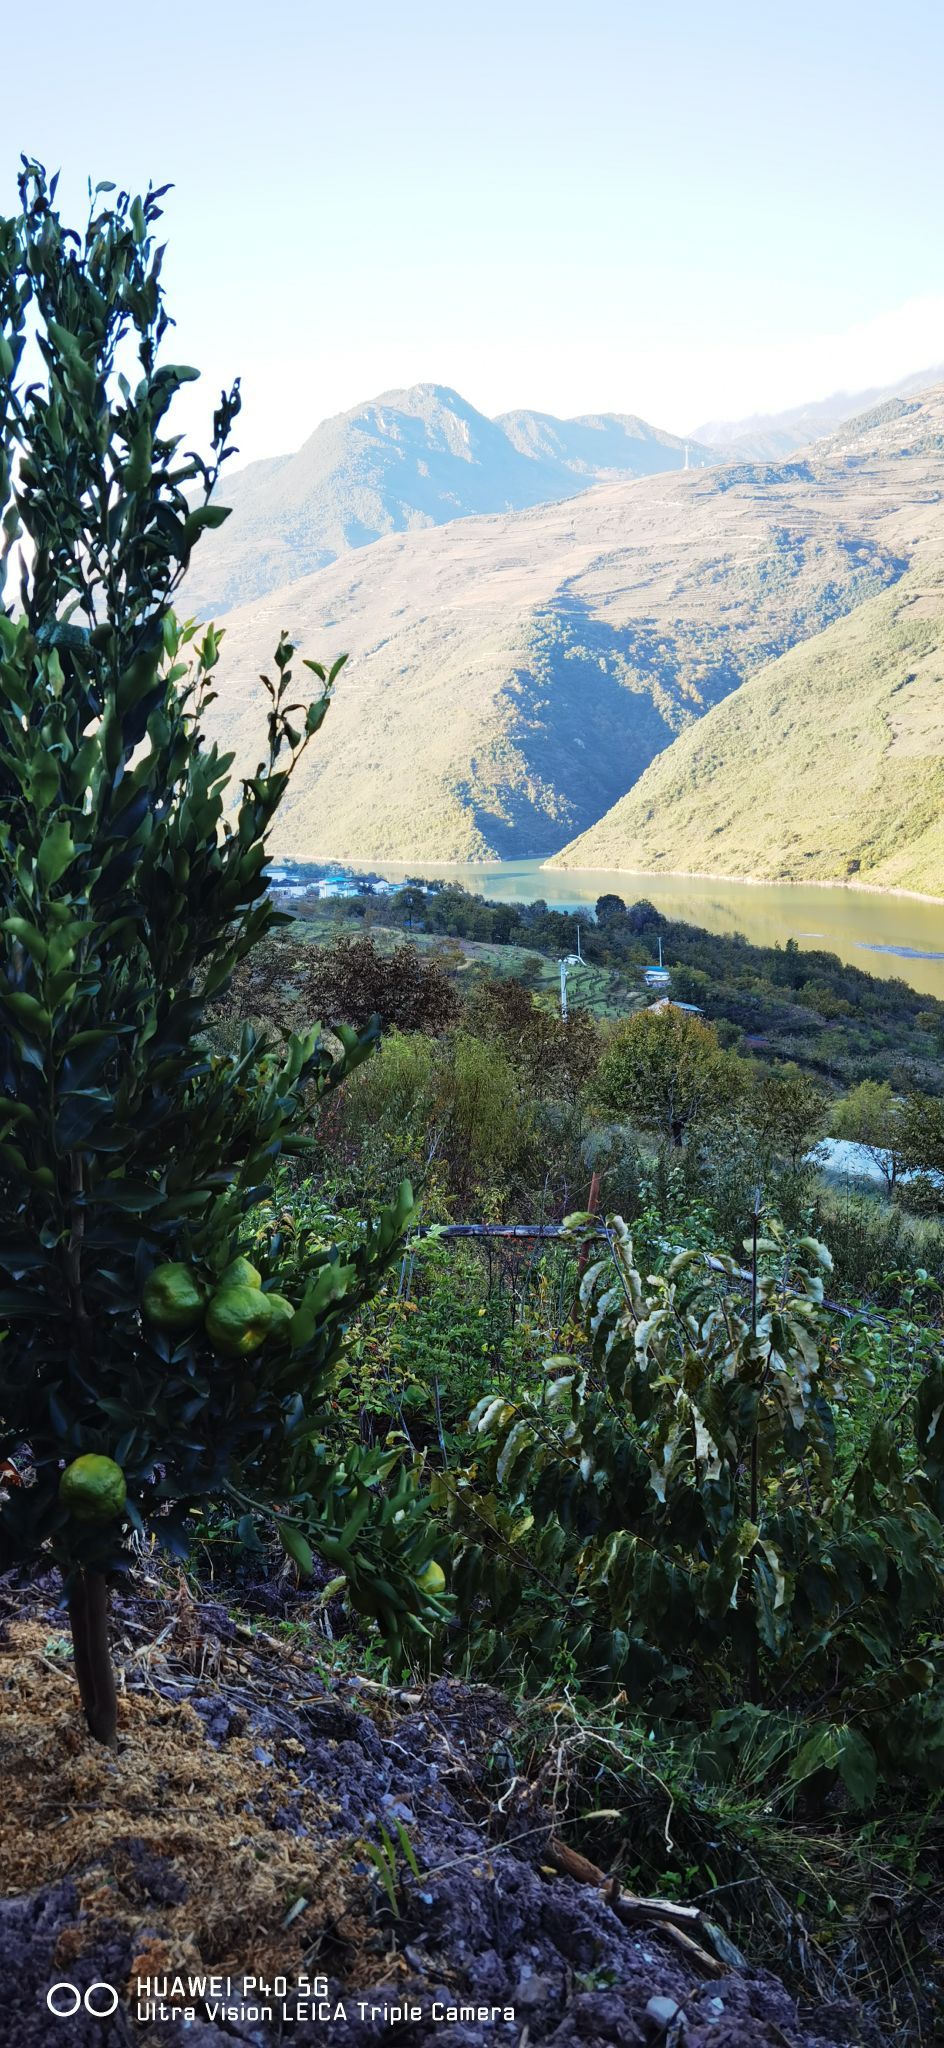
[569,960]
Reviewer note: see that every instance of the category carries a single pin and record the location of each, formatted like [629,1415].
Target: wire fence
[505,1241]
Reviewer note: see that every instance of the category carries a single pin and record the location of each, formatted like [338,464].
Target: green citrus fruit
[93,1488]
[282,1313]
[171,1299]
[240,1273]
[238,1320]
[432,1578]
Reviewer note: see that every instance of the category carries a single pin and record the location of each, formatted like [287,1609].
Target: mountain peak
[416,395]
[414,456]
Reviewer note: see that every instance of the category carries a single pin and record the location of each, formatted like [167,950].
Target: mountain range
[514,675]
[401,462]
[422,457]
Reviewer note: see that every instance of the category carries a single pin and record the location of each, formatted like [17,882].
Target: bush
[873,1243]
[670,1518]
[384,1125]
[449,1113]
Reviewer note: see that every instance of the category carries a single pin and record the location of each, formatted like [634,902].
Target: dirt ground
[227,1834]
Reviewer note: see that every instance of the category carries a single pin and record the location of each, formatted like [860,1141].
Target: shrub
[874,1242]
[669,1517]
[450,1113]
[385,1122]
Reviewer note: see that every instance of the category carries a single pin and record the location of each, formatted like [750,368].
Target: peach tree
[146,1366]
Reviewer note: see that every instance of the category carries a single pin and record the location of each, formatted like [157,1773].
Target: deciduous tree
[873,1117]
[787,1111]
[349,981]
[922,1133]
[665,1068]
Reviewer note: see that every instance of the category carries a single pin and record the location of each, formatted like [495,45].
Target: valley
[827,764]
[547,657]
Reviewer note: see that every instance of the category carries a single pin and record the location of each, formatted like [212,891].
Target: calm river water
[892,935]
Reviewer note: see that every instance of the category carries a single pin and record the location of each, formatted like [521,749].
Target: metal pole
[563,974]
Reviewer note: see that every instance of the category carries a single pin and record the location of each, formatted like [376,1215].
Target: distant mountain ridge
[603,447]
[409,459]
[770,436]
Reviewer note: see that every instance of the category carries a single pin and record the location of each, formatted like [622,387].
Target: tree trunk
[88,1614]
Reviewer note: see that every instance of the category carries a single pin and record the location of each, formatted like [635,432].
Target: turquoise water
[884,934]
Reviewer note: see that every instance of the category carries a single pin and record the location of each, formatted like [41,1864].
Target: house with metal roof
[657,976]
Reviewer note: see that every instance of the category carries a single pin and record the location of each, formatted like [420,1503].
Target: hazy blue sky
[684,210]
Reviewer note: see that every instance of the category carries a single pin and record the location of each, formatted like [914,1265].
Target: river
[884,934]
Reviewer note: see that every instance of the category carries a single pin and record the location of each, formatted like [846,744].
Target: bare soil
[227,1834]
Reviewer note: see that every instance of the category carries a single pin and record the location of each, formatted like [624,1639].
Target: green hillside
[826,765]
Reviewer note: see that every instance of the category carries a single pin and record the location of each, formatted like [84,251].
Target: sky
[687,211]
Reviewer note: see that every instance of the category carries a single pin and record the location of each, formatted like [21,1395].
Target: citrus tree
[146,1365]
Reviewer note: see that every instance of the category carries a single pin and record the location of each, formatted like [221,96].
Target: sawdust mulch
[166,1830]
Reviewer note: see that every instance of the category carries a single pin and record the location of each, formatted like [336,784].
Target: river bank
[885,932]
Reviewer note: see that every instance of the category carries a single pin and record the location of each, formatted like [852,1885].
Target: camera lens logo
[65,2000]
